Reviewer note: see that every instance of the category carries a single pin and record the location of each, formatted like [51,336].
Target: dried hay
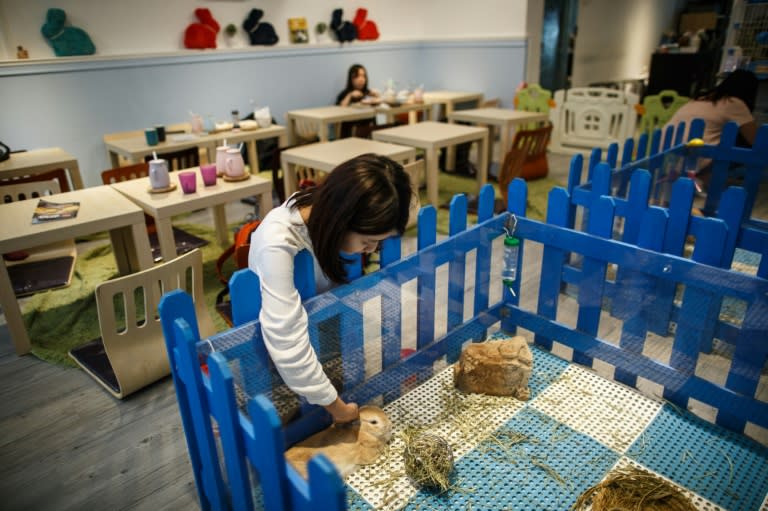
[633,489]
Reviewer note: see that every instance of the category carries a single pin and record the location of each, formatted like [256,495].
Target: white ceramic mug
[234,166]
[158,174]
[221,159]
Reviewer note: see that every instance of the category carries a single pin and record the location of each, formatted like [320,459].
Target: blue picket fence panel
[228,379]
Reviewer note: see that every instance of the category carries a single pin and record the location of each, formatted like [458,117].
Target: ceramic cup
[221,159]
[160,132]
[197,124]
[188,181]
[151,136]
[158,174]
[234,166]
[208,172]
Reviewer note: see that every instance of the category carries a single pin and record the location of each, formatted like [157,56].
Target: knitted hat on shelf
[259,33]
[202,35]
[344,30]
[65,41]
[366,29]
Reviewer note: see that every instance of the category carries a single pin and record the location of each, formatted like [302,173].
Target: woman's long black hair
[740,84]
[369,194]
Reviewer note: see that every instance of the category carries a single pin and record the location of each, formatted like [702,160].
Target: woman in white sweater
[361,202]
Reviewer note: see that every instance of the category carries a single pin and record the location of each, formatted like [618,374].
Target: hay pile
[428,460]
[633,489]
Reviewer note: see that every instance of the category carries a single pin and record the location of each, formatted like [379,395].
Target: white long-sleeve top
[280,236]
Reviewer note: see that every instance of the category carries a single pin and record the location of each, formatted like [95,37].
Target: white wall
[140,77]
[129,27]
[617,37]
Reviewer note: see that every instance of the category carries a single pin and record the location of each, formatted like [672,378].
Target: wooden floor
[66,444]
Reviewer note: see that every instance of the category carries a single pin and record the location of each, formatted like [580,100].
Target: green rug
[61,319]
[452,184]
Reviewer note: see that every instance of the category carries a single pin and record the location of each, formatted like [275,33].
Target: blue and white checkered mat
[575,429]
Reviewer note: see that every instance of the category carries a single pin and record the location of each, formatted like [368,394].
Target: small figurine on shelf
[21,52]
[321,32]
[201,34]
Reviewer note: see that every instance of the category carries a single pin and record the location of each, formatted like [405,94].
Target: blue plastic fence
[251,472]
[637,185]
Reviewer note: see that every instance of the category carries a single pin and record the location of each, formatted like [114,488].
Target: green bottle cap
[511,241]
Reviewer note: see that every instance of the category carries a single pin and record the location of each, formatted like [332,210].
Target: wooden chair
[536,140]
[59,175]
[131,352]
[128,173]
[512,167]
[50,254]
[178,160]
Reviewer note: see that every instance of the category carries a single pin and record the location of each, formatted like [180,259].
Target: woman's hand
[343,412]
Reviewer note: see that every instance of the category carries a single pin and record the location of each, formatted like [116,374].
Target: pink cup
[209,174]
[188,181]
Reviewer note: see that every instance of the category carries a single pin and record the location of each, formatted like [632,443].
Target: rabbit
[202,34]
[346,445]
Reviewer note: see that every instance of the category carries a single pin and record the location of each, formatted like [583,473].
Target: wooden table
[447,100]
[101,209]
[326,156]
[38,161]
[325,116]
[163,206]
[135,148]
[500,118]
[433,136]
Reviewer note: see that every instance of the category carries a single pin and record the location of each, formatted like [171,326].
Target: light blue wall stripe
[73,103]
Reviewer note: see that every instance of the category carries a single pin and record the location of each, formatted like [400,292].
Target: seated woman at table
[360,203]
[357,88]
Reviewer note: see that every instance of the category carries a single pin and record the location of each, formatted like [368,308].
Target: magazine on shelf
[46,211]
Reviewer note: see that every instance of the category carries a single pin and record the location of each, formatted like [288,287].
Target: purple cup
[188,181]
[209,174]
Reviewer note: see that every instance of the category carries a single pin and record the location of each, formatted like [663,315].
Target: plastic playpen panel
[584,118]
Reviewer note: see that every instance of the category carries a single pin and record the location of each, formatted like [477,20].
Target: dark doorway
[557,43]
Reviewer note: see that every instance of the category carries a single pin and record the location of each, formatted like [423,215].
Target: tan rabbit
[346,445]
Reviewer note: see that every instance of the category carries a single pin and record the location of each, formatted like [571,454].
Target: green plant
[230,29]
[321,27]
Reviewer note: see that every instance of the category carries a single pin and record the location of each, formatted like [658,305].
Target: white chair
[131,352]
[38,257]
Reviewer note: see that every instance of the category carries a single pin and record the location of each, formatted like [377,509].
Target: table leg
[325,127]
[166,238]
[290,123]
[114,159]
[503,143]
[253,156]
[12,312]
[220,222]
[74,175]
[265,203]
[130,244]
[482,168]
[289,177]
[450,151]
[432,176]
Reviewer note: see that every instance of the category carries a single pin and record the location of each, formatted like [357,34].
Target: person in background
[360,203]
[733,100]
[357,88]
